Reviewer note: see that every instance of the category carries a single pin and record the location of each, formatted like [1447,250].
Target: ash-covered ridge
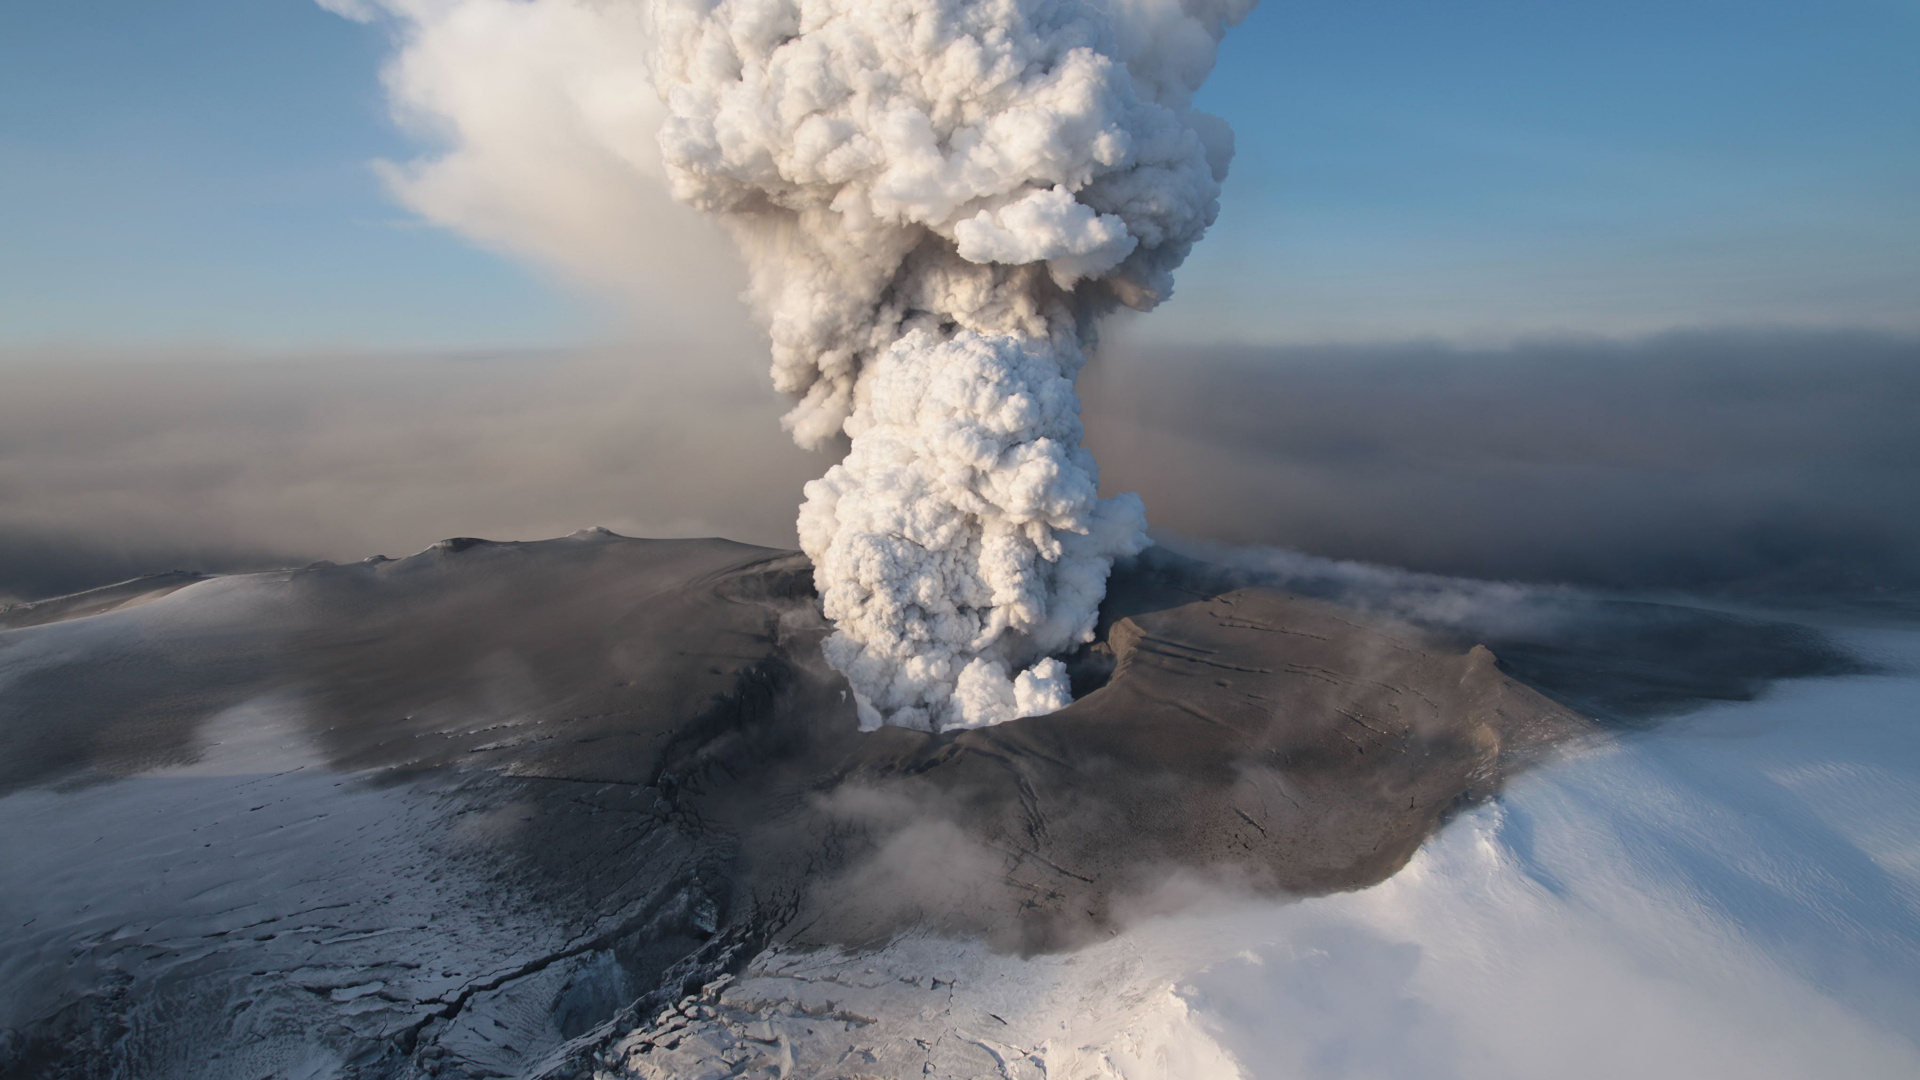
[489,809]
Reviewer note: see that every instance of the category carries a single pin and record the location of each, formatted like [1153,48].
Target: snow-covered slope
[1736,894]
[487,810]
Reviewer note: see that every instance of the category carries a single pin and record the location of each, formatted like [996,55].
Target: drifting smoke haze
[545,124]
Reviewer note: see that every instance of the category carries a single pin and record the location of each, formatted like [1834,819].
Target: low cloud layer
[1786,460]
[116,466]
[1703,460]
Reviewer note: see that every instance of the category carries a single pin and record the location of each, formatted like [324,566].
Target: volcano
[487,809]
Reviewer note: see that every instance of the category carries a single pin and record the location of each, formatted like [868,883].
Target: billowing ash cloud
[936,198]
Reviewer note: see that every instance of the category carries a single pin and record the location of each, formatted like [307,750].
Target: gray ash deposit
[486,810]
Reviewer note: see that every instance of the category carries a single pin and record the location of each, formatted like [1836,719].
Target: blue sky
[196,173]
[1472,166]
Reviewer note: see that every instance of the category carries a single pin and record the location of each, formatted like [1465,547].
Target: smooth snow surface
[1735,894]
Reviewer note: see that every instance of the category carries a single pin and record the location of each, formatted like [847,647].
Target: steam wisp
[936,200]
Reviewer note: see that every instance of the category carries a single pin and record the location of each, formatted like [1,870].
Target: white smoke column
[936,199]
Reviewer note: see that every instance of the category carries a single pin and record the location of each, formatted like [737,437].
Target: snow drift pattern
[936,198]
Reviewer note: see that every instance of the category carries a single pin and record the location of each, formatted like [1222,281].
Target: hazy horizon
[1772,461]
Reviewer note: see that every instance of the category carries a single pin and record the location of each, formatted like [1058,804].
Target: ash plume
[936,200]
